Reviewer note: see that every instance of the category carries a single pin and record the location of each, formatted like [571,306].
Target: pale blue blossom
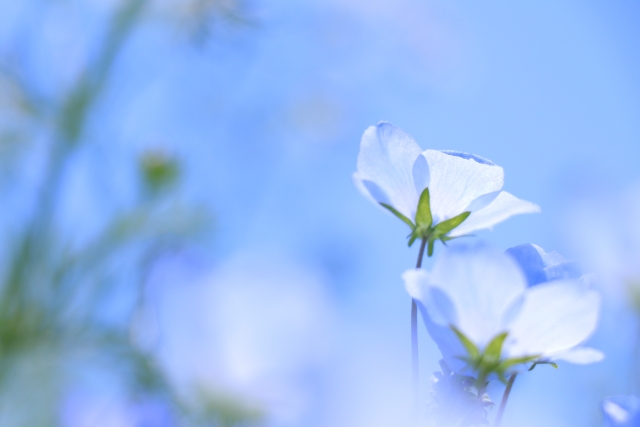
[540,266]
[393,171]
[482,293]
[621,411]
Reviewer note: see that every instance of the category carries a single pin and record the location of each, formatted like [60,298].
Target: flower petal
[455,181]
[437,313]
[503,206]
[384,168]
[481,284]
[540,266]
[580,356]
[554,317]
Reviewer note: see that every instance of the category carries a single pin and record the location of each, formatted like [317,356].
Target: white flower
[482,293]
[393,171]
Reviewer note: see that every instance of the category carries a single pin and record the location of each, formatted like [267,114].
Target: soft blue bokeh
[621,411]
[267,121]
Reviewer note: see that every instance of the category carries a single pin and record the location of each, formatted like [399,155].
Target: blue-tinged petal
[464,155]
[438,314]
[554,317]
[580,356]
[384,168]
[454,182]
[481,283]
[621,411]
[540,266]
[502,206]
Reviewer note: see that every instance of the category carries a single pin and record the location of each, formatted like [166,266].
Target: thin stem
[505,397]
[635,378]
[414,334]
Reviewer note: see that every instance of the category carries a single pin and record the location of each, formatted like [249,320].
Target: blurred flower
[439,194]
[255,329]
[604,232]
[621,411]
[485,320]
[454,400]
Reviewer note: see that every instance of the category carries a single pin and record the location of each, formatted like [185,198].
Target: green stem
[414,335]
[503,403]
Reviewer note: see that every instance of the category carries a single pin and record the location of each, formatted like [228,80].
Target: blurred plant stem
[415,360]
[503,402]
[47,280]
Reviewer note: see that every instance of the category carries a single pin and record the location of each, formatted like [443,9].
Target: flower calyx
[424,227]
[489,361]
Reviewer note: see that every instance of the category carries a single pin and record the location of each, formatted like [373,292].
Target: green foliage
[159,171]
[54,283]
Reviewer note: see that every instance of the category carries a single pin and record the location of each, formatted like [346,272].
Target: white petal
[481,283]
[438,314]
[580,356]
[554,317]
[418,284]
[502,206]
[384,169]
[454,182]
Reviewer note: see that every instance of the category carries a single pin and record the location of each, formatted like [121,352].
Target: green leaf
[471,348]
[430,248]
[399,215]
[423,215]
[494,348]
[447,226]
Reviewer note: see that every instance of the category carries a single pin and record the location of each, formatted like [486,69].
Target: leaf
[430,248]
[399,215]
[447,226]
[471,348]
[494,348]
[423,215]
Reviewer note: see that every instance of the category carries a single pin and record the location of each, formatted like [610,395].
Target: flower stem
[505,397]
[414,335]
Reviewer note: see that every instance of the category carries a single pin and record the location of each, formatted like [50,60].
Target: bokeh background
[182,244]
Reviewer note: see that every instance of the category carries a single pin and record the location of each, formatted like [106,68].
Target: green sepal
[412,238]
[430,248]
[399,215]
[508,363]
[554,364]
[447,226]
[489,360]
[469,346]
[423,214]
[494,348]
